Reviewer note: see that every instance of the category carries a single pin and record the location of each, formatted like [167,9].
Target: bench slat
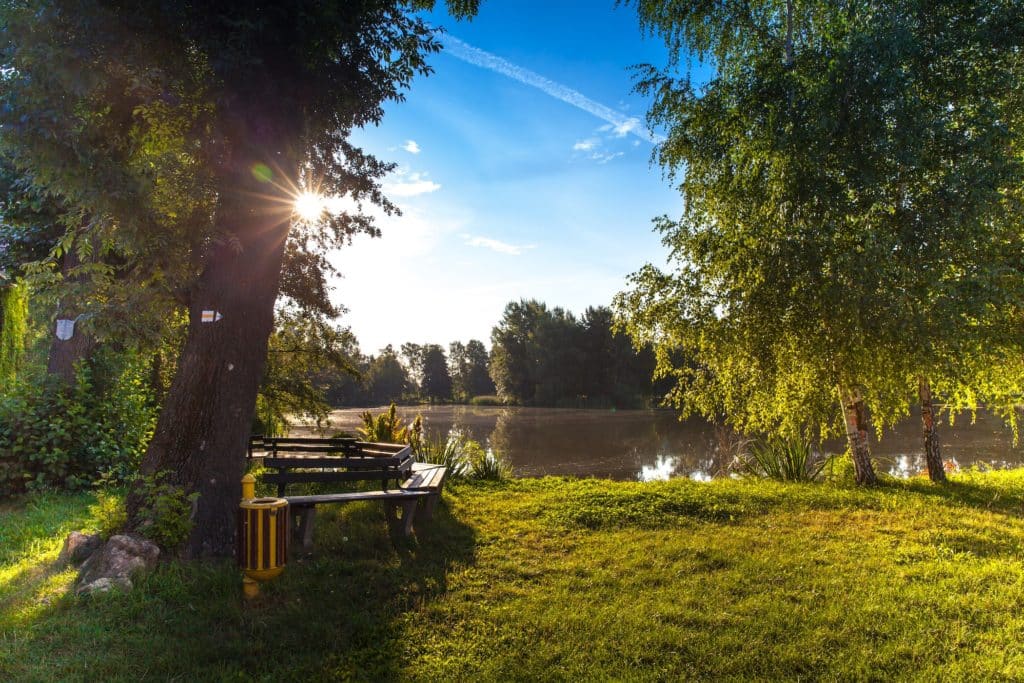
[393,494]
[312,448]
[311,462]
[426,479]
[269,440]
[325,477]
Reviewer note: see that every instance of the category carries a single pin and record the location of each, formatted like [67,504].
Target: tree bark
[66,354]
[932,453]
[203,429]
[855,416]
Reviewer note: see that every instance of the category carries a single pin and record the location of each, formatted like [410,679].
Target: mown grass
[558,579]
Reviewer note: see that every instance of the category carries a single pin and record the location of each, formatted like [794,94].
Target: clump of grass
[446,451]
[464,457]
[486,463]
[781,459]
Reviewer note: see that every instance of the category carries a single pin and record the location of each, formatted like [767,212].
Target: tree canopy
[851,178]
[175,137]
[546,357]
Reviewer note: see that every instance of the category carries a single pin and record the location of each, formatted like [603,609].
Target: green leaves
[846,212]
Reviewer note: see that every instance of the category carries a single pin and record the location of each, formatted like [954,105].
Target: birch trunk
[855,417]
[932,453]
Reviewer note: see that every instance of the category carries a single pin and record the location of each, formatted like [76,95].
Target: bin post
[248,487]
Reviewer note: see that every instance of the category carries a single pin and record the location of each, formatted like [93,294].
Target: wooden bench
[345,460]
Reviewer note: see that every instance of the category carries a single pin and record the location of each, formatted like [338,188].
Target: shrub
[165,512]
[782,459]
[57,436]
[839,468]
[385,428]
[486,401]
[109,512]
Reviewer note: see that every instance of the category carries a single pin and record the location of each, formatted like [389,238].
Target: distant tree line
[539,357]
[548,357]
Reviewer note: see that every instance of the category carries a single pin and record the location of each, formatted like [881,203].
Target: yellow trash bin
[262,538]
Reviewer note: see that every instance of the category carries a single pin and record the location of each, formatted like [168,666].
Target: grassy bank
[562,579]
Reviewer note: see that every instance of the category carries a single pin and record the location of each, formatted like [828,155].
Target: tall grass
[447,451]
[781,459]
[464,457]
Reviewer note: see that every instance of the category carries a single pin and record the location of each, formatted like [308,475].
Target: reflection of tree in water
[500,440]
[620,445]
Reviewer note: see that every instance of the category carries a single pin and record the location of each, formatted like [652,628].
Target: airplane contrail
[473,55]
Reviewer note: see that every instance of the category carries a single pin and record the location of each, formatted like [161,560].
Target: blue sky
[507,190]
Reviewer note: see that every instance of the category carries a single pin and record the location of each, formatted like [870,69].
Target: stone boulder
[112,565]
[78,547]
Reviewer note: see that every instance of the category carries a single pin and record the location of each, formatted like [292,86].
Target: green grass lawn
[561,580]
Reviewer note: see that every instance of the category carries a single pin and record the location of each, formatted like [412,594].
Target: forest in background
[539,356]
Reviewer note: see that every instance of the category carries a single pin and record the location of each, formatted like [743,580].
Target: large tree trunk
[203,430]
[855,416]
[65,354]
[932,454]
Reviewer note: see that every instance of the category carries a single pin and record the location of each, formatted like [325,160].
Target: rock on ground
[113,565]
[78,547]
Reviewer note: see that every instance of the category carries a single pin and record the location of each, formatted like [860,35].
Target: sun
[309,206]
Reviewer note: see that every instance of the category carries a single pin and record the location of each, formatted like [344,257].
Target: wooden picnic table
[317,460]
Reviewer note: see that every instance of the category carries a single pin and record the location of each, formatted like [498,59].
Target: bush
[781,459]
[165,512]
[57,436]
[109,513]
[486,401]
[385,428]
[840,468]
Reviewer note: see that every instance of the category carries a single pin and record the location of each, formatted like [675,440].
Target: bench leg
[304,519]
[408,513]
[429,505]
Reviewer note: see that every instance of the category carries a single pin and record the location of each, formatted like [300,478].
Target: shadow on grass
[1006,499]
[340,613]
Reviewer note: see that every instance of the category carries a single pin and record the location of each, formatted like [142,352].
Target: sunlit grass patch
[562,578]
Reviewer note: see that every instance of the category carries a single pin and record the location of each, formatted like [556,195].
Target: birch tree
[849,173]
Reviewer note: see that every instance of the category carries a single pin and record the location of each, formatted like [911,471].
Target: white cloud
[410,185]
[411,147]
[491,62]
[605,158]
[586,145]
[497,245]
[626,127]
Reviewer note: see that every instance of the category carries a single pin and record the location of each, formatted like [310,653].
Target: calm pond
[646,445]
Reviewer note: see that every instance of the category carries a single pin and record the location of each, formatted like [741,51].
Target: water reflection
[651,445]
[664,467]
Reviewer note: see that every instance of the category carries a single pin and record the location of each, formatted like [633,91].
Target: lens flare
[309,206]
